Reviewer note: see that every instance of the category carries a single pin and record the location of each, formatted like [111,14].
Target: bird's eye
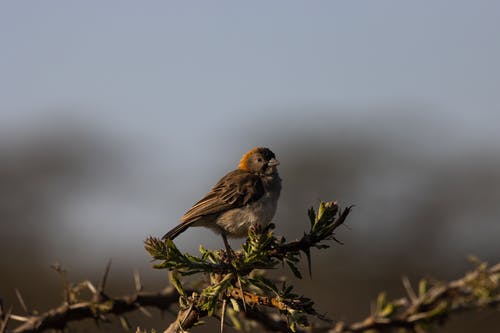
[259,159]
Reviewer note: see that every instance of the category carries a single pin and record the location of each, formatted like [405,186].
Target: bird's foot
[230,254]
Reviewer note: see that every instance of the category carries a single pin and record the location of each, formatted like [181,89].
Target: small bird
[245,197]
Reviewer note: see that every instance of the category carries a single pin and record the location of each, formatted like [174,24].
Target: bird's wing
[234,190]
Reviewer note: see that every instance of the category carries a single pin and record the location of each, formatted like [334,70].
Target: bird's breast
[236,222]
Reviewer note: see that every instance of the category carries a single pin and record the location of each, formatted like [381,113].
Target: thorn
[4,318]
[2,313]
[309,263]
[409,289]
[222,315]
[495,268]
[91,287]
[63,275]
[124,322]
[19,318]
[345,225]
[242,294]
[137,281]
[104,279]
[335,239]
[339,327]
[104,319]
[145,311]
[188,312]
[21,301]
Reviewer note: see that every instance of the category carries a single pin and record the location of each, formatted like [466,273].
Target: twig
[137,281]
[458,296]
[409,289]
[223,315]
[104,278]
[59,317]
[186,319]
[307,242]
[21,301]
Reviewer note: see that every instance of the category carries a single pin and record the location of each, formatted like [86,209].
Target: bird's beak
[273,162]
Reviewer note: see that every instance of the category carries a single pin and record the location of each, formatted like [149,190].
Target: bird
[245,197]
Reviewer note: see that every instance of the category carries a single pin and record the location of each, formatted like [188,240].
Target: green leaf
[199,323]
[381,301]
[440,309]
[212,293]
[174,279]
[422,287]
[265,284]
[235,305]
[321,211]
[294,269]
[387,310]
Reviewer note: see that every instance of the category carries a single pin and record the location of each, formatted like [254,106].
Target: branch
[190,314]
[313,239]
[237,279]
[238,288]
[98,308]
[186,318]
[477,290]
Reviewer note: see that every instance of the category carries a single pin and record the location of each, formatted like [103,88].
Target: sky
[214,59]
[180,83]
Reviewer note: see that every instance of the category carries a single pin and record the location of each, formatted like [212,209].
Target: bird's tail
[177,230]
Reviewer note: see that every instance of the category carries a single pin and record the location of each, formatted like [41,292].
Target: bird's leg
[229,251]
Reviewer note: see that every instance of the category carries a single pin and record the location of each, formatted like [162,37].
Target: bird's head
[260,161]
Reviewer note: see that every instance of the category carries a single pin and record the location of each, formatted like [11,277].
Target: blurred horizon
[115,118]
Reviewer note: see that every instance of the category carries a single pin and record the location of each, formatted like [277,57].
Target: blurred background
[115,117]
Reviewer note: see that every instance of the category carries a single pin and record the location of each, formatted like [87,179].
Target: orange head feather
[243,165]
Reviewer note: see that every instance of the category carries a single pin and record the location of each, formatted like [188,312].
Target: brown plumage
[245,197]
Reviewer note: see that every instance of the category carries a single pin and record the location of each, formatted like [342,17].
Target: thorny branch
[239,290]
[478,289]
[98,309]
[430,305]
[238,279]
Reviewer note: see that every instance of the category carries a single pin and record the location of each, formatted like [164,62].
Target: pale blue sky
[210,59]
